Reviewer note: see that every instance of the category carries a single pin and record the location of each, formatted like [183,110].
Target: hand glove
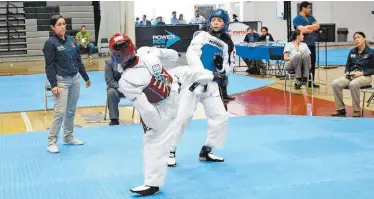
[218,61]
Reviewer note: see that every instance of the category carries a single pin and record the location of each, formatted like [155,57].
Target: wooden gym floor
[268,100]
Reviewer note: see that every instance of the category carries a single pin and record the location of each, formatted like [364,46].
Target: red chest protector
[159,87]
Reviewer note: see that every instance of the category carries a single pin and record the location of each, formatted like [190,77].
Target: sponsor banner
[176,37]
[238,30]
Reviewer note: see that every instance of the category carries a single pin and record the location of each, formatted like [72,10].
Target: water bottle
[267,40]
[309,109]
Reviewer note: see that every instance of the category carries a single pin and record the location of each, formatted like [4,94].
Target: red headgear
[122,48]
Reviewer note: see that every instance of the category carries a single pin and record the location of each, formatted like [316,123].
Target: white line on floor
[26,119]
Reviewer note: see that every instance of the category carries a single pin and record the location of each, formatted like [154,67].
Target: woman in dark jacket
[64,67]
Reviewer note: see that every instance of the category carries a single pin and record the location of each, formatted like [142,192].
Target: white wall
[354,15]
[116,16]
[164,8]
[154,9]
[265,11]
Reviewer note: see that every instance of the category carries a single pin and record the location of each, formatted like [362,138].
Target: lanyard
[297,47]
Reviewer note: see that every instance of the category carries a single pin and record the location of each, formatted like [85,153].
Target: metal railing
[11,27]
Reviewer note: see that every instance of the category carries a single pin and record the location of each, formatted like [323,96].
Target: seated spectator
[84,40]
[251,36]
[174,19]
[112,76]
[137,22]
[160,22]
[181,20]
[264,33]
[255,67]
[297,55]
[197,19]
[358,71]
[144,21]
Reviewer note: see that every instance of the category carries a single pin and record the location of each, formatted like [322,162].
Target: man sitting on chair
[358,71]
[112,76]
[84,41]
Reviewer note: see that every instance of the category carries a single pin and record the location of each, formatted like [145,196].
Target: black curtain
[287,16]
[97,19]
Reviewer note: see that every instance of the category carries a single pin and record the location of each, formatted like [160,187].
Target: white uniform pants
[214,110]
[157,144]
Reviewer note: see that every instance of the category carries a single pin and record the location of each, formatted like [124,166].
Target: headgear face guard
[122,48]
[220,14]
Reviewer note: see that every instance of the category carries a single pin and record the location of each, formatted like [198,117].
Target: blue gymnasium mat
[26,92]
[289,157]
[334,56]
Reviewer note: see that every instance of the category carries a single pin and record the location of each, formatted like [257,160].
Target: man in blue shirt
[307,24]
[174,19]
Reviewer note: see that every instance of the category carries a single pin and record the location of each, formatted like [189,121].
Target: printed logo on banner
[237,32]
[165,41]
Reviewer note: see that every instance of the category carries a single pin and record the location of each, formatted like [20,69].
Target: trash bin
[342,34]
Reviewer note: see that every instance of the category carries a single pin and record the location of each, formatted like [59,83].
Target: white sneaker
[53,148]
[74,141]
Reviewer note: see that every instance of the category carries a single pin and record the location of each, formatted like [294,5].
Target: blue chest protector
[210,48]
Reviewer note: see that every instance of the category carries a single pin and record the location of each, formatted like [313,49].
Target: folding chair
[47,89]
[103,47]
[291,75]
[106,109]
[365,89]
[276,54]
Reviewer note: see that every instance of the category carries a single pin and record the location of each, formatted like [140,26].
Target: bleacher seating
[30,24]
[12,29]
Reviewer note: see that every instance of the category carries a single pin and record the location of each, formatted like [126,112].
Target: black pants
[313,60]
[223,93]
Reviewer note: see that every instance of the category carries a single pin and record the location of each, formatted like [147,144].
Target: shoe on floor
[297,85]
[207,155]
[114,122]
[53,148]
[314,85]
[339,113]
[172,162]
[229,98]
[145,190]
[356,114]
[74,141]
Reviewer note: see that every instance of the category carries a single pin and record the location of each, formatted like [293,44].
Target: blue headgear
[221,14]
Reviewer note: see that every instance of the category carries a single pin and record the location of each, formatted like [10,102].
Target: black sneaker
[114,122]
[172,162]
[207,155]
[229,98]
[298,85]
[339,113]
[314,85]
[145,190]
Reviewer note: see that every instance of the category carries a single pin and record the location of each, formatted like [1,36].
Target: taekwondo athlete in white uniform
[209,53]
[154,93]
